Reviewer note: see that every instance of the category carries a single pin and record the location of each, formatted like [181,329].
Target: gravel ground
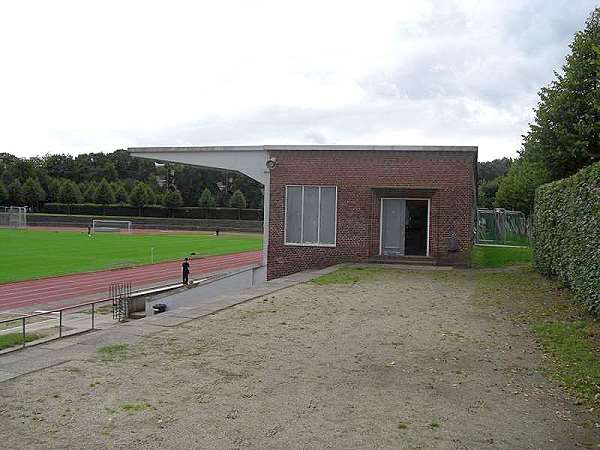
[403,360]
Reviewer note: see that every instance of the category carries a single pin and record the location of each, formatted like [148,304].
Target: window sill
[299,244]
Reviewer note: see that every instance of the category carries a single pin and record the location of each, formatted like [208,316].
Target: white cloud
[80,76]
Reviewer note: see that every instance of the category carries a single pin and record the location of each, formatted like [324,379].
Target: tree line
[118,178]
[565,134]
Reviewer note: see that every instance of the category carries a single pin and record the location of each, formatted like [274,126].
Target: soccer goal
[99,225]
[13,216]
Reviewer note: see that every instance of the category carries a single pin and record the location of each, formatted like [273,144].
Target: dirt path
[405,360]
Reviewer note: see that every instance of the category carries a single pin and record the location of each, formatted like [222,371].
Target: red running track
[46,291]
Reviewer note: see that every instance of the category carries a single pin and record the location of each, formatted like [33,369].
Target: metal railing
[115,292]
[23,320]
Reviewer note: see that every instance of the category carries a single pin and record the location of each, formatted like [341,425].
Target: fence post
[93,311]
[23,332]
[60,323]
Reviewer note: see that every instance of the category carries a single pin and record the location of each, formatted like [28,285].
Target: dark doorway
[415,227]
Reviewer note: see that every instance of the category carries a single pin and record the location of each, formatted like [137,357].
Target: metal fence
[500,226]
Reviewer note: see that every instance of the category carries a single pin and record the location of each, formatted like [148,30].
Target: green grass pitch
[29,254]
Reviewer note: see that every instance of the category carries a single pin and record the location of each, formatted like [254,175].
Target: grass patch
[566,331]
[576,361]
[28,254]
[113,352]
[484,256]
[133,408]
[350,275]
[14,339]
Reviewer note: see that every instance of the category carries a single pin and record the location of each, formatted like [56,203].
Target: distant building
[327,204]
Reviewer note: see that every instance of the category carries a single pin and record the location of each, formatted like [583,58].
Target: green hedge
[566,233]
[152,211]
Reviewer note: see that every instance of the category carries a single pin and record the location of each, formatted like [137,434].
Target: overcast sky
[79,77]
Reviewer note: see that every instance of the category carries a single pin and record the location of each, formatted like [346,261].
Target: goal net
[99,225]
[13,216]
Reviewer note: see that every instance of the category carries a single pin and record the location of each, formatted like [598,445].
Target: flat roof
[241,148]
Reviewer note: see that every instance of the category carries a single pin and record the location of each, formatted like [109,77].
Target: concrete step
[409,260]
[137,315]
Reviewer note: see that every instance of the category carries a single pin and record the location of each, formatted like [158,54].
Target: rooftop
[242,148]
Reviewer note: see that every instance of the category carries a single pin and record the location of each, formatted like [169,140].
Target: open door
[404,227]
[392,226]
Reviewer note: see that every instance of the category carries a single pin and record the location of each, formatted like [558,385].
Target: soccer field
[28,254]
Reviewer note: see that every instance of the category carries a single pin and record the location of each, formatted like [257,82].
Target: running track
[52,291]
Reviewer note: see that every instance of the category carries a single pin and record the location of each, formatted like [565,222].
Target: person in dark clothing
[185,271]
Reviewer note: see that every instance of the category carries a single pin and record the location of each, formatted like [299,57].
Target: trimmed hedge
[566,233]
[152,211]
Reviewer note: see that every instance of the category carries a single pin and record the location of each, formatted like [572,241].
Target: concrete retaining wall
[227,284]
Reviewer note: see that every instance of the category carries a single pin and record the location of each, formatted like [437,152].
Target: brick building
[326,204]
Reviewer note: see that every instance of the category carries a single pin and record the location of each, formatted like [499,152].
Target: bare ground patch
[402,359]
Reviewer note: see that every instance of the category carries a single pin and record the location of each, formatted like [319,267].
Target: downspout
[266,216]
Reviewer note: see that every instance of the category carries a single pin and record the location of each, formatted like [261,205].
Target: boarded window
[310,215]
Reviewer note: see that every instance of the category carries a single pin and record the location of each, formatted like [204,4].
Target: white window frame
[381,220]
[310,244]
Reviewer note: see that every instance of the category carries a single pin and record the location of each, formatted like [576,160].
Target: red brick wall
[447,178]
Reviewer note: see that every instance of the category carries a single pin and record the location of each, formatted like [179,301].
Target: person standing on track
[185,271]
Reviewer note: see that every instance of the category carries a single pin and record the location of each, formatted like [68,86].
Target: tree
[207,199]
[15,193]
[59,166]
[150,195]
[3,194]
[108,171]
[33,193]
[486,193]
[172,199]
[565,134]
[138,196]
[120,194]
[490,170]
[238,200]
[104,193]
[223,198]
[89,195]
[69,193]
[52,191]
[52,170]
[516,190]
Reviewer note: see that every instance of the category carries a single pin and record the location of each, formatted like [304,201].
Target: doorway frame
[405,199]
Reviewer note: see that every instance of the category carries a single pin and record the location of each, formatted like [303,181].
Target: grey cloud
[454,60]
[316,137]
[451,67]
